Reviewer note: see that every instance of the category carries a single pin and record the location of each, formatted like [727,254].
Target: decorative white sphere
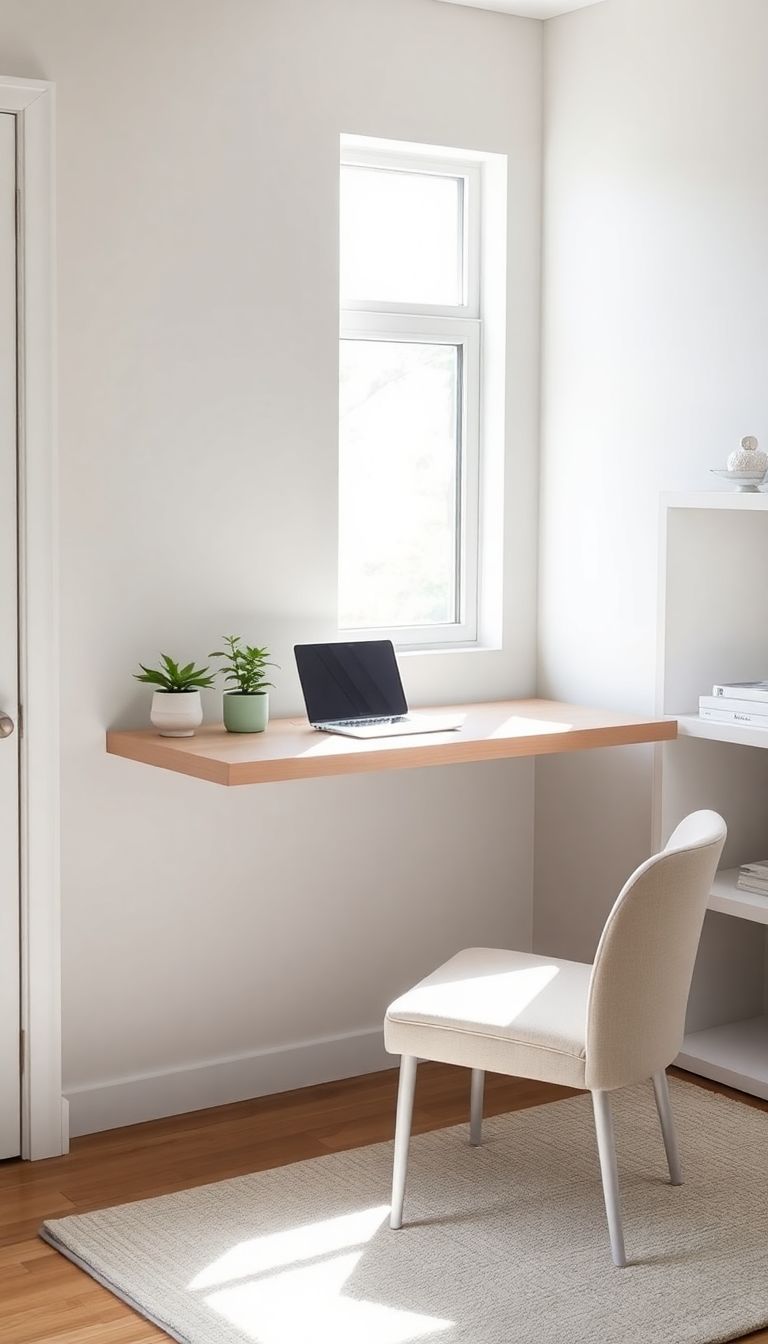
[749,457]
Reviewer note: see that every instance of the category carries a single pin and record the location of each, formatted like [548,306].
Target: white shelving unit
[713,626]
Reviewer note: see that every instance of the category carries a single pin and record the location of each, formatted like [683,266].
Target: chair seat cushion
[508,1012]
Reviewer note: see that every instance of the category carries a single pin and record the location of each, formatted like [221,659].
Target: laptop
[355,689]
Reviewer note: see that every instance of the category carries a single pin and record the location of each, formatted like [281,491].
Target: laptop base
[396,727]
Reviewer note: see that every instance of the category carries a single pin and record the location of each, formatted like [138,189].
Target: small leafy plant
[245,665]
[172,679]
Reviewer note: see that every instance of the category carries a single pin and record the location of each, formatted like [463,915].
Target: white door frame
[44,1124]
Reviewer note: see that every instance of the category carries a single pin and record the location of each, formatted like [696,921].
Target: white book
[759,868]
[753,886]
[735,716]
[742,690]
[731,702]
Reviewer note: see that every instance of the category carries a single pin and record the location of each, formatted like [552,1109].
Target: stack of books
[754,877]
[737,702]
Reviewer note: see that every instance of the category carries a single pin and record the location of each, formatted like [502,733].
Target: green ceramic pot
[246,713]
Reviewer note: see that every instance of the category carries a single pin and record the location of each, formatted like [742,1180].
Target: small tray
[747,482]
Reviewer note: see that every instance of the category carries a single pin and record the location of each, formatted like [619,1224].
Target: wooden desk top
[290,749]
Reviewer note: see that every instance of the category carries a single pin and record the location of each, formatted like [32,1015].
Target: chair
[601,1027]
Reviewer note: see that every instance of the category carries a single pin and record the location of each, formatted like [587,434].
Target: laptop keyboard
[370,723]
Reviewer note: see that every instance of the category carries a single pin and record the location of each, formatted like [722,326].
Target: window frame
[459,325]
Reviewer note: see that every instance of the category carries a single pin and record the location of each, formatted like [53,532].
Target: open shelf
[728,900]
[742,734]
[735,1054]
[742,501]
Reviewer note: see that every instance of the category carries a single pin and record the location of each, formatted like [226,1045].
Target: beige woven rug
[503,1243]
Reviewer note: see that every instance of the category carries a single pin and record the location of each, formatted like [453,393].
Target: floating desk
[290,749]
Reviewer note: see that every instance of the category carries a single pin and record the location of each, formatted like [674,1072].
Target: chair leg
[606,1148]
[405,1092]
[666,1120]
[476,1094]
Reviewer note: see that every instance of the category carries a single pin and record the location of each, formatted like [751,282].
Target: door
[10,1080]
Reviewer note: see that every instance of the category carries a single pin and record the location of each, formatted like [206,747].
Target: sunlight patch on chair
[496,1000]
[276,1250]
[309,1304]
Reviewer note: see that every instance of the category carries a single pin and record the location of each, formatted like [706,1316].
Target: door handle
[6,725]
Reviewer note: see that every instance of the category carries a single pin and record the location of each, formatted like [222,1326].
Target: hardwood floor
[46,1300]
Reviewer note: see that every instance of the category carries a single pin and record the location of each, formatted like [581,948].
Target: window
[409,395]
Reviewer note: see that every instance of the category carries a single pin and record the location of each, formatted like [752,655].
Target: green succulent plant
[172,679]
[244,665]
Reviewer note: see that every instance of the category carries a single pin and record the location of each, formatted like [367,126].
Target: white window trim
[458,325]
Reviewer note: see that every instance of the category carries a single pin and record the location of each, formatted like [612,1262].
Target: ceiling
[528,9]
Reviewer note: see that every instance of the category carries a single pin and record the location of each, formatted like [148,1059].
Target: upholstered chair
[603,1026]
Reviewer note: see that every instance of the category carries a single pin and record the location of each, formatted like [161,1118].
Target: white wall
[197,175]
[654,366]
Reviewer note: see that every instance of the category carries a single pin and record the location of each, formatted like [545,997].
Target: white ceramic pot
[176,713]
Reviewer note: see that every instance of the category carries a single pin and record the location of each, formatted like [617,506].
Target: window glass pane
[401,236]
[399,482]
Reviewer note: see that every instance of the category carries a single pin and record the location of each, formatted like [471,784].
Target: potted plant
[246,704]
[176,705]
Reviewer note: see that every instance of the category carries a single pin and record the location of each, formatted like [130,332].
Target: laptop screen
[350,681]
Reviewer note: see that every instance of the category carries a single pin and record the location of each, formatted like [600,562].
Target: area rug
[502,1243]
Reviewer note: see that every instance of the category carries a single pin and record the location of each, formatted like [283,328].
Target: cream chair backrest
[642,973]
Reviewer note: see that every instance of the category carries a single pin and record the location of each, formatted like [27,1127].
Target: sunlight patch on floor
[297,1305]
[277,1250]
[280,1301]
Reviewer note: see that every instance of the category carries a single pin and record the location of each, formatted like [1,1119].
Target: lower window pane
[399,484]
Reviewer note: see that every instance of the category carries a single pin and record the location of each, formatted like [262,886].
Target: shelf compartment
[735,1054]
[727,899]
[741,734]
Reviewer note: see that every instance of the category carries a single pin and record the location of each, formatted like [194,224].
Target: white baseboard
[128,1101]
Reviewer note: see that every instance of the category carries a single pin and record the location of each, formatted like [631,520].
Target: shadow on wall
[593,827]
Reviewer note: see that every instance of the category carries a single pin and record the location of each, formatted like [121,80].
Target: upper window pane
[401,237]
